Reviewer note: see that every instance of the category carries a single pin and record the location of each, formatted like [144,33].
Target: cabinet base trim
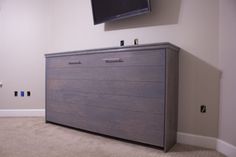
[22,113]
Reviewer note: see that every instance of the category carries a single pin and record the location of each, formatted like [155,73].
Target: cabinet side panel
[171,106]
[46,89]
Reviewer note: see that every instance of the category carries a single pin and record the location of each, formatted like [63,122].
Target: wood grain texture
[122,103]
[129,93]
[171,105]
[124,73]
[129,132]
[98,59]
[110,116]
[120,88]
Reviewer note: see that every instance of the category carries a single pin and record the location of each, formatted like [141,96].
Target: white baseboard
[207,142]
[197,140]
[22,113]
[226,148]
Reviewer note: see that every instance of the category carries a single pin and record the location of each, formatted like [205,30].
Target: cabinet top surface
[154,46]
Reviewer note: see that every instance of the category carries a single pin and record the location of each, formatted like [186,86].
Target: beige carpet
[31,137]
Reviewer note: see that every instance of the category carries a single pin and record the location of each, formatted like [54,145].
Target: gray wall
[227,130]
[24,33]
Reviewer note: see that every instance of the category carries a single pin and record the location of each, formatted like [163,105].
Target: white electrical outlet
[0,84]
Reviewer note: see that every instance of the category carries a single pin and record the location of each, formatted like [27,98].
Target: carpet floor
[32,137]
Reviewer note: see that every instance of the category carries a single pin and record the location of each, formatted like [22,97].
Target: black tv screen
[109,10]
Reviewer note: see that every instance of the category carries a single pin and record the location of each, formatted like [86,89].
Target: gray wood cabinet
[124,92]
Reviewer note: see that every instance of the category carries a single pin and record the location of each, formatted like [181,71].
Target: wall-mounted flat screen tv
[110,10]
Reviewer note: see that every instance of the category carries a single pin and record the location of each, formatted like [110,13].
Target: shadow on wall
[164,12]
[199,84]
